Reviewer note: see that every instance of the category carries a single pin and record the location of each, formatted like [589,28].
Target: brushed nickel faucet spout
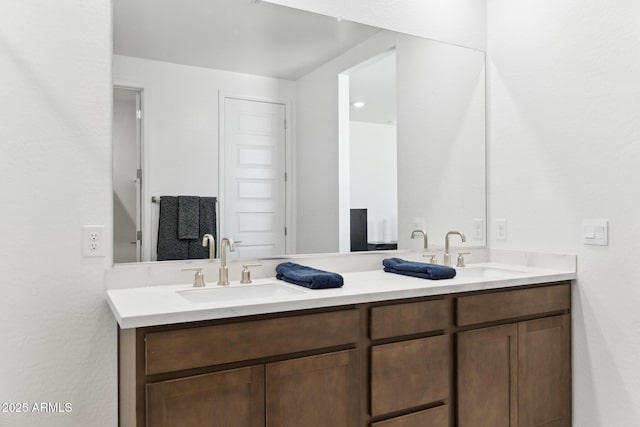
[208,240]
[223,279]
[425,244]
[447,257]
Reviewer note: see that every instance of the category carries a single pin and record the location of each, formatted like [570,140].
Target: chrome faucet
[447,257]
[208,239]
[414,233]
[223,278]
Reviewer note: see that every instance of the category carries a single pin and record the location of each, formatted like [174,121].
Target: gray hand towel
[170,247]
[188,217]
[207,225]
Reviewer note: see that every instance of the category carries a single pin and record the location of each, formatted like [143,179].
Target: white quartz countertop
[159,305]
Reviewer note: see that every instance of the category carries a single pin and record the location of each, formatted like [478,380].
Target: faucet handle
[460,262]
[433,259]
[246,273]
[198,280]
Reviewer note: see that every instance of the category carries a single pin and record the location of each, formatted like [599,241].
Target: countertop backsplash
[170,272]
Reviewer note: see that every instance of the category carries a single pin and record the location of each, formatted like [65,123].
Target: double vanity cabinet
[487,358]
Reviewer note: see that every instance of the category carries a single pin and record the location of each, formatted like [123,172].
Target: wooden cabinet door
[487,383]
[233,398]
[318,391]
[544,372]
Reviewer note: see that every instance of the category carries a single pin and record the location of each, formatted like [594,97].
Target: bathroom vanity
[483,349]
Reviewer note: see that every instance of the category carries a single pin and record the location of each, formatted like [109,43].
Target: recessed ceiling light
[358,104]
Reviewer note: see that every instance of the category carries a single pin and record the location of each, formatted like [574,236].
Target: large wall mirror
[292,132]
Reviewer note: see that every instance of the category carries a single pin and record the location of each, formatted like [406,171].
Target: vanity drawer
[409,318]
[434,417]
[504,305]
[409,373]
[188,348]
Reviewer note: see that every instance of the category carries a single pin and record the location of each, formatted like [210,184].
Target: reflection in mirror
[127,139]
[372,141]
[253,104]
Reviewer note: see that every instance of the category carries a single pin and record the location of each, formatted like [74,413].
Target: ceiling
[233,35]
[254,38]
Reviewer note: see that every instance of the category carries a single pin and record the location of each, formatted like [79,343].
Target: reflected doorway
[368,155]
[127,174]
[253,176]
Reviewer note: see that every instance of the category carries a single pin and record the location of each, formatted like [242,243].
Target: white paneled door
[253,197]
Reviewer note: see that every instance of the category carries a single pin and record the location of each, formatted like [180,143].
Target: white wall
[317,155]
[181,125]
[373,162]
[564,145]
[58,335]
[441,140]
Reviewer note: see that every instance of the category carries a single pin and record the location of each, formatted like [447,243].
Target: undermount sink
[214,293]
[485,272]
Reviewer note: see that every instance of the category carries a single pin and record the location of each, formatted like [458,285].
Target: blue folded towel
[418,269]
[308,277]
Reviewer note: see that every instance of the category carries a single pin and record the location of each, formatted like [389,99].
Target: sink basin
[486,272]
[215,293]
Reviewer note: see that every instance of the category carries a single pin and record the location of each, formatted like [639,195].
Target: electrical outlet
[501,229]
[93,244]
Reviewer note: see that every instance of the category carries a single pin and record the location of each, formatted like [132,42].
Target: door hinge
[285,124]
[139,173]
[139,235]
[138,114]
[286,177]
[285,231]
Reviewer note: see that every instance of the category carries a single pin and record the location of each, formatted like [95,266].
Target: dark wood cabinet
[487,363]
[409,374]
[544,372]
[233,398]
[187,348]
[515,375]
[319,391]
[493,358]
[402,319]
[434,417]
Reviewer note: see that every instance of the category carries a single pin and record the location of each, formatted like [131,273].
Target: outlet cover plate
[93,241]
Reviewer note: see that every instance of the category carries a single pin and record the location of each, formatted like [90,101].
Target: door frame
[144,214]
[289,165]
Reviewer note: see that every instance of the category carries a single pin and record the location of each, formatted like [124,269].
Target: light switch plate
[595,232]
